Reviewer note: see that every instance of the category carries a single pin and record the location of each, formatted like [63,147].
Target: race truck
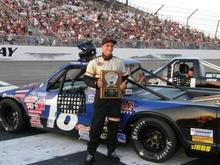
[189,72]
[156,120]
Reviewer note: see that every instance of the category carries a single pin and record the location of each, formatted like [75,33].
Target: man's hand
[99,83]
[123,86]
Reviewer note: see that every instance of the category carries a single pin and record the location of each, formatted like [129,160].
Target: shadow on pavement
[205,160]
[28,132]
[78,159]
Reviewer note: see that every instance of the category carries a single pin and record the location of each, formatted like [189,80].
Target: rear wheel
[12,118]
[153,139]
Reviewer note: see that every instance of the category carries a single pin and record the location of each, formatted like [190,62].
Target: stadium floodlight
[216,32]
[187,22]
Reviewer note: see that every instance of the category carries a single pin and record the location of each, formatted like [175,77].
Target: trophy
[111,84]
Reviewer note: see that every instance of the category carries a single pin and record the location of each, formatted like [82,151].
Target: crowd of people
[67,22]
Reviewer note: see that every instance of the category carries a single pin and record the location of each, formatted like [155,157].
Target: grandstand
[68,22]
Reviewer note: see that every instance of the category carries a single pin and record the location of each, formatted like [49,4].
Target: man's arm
[90,81]
[125,77]
[89,77]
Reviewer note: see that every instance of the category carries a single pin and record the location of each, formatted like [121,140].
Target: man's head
[107,45]
[190,72]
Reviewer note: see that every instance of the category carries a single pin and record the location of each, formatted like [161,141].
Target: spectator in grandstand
[67,20]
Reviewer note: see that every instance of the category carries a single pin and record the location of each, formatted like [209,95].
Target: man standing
[103,108]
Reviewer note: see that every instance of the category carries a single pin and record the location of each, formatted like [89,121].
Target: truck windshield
[209,70]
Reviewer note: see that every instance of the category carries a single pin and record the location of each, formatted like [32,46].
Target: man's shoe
[113,156]
[89,158]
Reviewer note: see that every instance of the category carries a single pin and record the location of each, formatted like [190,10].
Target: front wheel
[153,139]
[12,118]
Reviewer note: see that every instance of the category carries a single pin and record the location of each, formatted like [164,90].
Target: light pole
[159,9]
[187,22]
[216,32]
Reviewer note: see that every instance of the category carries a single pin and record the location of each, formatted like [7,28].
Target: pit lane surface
[53,148]
[45,148]
[37,147]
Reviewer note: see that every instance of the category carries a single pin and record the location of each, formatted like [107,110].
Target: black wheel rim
[153,139]
[11,115]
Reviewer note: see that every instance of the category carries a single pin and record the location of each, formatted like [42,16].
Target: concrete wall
[43,53]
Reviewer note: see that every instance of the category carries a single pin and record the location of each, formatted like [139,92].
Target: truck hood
[16,89]
[4,86]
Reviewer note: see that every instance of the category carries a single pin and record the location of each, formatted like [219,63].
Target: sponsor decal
[211,79]
[20,95]
[121,138]
[201,132]
[127,106]
[90,95]
[204,119]
[78,63]
[84,135]
[35,105]
[128,91]
[30,99]
[8,95]
[201,148]
[202,139]
[22,91]
[42,94]
[35,112]
[91,98]
[35,121]
[104,133]
[81,127]
[33,93]
[100,63]
[7,51]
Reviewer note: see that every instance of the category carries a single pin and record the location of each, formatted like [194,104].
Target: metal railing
[71,42]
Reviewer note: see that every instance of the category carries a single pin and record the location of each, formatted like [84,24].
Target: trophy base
[111,93]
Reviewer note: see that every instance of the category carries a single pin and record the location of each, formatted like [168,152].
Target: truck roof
[82,63]
[185,58]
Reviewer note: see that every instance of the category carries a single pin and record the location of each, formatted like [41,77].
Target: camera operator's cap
[108,39]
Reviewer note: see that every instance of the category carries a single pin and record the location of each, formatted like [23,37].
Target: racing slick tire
[11,116]
[153,139]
